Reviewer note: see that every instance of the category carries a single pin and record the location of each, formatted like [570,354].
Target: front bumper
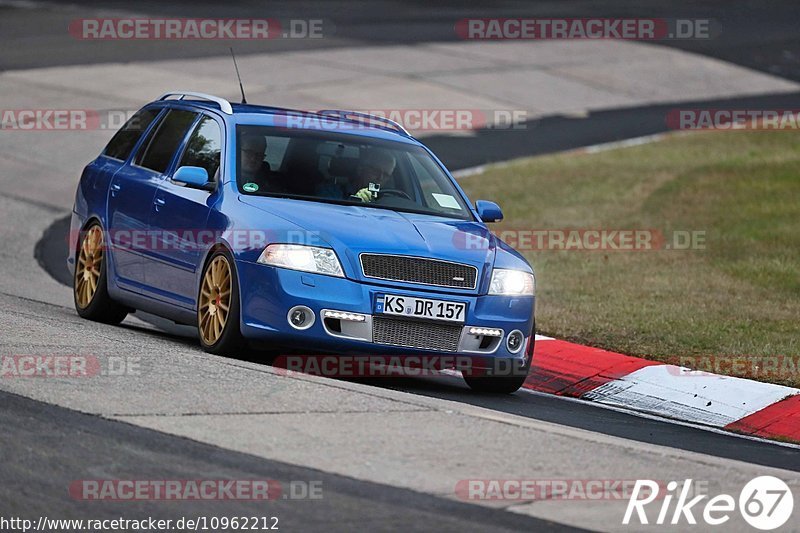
[268,293]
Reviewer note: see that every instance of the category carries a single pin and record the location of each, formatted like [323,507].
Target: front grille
[415,334]
[419,270]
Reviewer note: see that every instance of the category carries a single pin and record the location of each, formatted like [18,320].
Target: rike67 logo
[765,503]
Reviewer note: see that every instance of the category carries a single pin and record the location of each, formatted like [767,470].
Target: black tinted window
[125,139]
[204,147]
[166,140]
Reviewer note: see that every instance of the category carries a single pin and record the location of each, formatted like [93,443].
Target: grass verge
[731,306]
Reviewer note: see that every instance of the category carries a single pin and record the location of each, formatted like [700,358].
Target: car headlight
[512,283]
[301,257]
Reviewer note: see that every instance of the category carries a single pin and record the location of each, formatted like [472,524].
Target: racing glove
[364,195]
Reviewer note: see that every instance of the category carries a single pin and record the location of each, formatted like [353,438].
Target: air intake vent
[415,334]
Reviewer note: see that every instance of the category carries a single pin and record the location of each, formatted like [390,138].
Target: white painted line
[471,171]
[634,141]
[542,338]
[698,397]
[591,149]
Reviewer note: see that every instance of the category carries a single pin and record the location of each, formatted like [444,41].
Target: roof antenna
[244,100]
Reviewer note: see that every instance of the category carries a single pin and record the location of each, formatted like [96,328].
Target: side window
[204,147]
[163,143]
[125,139]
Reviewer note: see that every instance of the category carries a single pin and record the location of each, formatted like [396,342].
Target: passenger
[255,172]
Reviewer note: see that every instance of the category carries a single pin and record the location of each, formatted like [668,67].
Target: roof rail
[224,105]
[363,118]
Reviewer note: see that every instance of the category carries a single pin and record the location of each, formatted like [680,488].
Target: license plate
[423,308]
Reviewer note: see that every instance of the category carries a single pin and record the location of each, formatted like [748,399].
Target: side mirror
[489,211]
[195,177]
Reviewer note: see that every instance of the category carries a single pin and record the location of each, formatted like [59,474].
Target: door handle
[115,188]
[159,202]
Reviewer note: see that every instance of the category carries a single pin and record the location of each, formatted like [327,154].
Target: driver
[375,169]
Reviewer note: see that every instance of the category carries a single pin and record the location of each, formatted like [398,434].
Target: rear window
[125,139]
[165,140]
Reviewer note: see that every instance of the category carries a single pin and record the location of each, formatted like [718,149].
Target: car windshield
[344,169]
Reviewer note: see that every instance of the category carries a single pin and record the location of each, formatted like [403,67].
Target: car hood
[351,230]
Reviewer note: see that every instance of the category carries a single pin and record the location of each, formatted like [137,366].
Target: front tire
[484,382]
[89,285]
[218,306]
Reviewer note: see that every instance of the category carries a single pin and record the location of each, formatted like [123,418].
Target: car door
[120,147]
[131,194]
[180,217]
[123,191]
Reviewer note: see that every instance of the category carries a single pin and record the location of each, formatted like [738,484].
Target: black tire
[512,379]
[100,307]
[230,341]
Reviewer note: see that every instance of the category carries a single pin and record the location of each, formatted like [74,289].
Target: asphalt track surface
[130,452]
[34,433]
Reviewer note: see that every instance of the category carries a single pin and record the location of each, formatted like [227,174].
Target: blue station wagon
[330,232]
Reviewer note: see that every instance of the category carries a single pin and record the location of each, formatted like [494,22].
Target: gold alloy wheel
[87,271]
[215,299]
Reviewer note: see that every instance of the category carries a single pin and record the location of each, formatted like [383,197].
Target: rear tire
[89,284]
[218,311]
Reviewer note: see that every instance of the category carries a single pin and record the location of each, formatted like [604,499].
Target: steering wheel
[395,192]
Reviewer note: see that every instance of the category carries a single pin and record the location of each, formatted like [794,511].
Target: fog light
[514,341]
[300,317]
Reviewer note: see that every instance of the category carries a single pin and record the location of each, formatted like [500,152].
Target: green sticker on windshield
[250,187]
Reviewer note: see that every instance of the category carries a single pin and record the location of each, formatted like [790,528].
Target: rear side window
[204,147]
[163,143]
[125,139]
